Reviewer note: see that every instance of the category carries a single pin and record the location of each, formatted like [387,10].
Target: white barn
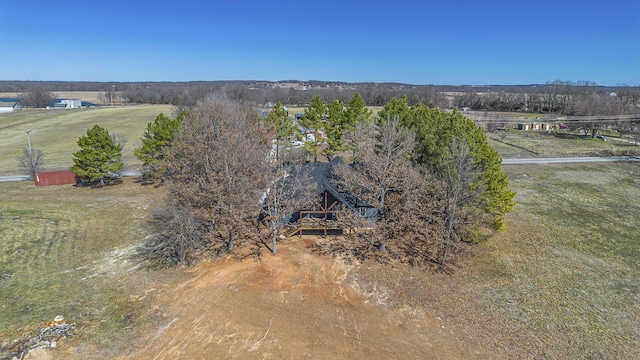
[8,106]
[68,104]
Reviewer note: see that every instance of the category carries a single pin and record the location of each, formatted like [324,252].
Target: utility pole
[30,152]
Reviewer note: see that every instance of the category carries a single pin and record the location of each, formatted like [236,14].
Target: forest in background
[556,97]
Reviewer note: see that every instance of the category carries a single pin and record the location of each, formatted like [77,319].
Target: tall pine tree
[313,120]
[98,158]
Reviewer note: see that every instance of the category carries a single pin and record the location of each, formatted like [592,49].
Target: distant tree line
[556,97]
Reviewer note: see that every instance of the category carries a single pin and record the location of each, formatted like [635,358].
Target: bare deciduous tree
[38,97]
[32,161]
[289,190]
[459,177]
[178,238]
[382,163]
[216,166]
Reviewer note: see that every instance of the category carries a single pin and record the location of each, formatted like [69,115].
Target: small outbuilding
[58,177]
[67,104]
[9,106]
[534,126]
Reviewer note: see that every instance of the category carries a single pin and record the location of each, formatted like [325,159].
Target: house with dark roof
[322,216]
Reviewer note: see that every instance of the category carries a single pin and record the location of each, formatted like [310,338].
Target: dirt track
[290,306]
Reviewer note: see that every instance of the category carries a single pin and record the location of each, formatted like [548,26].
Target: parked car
[601,137]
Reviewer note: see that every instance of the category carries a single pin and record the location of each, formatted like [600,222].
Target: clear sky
[452,42]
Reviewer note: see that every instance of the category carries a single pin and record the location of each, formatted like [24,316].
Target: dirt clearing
[293,305]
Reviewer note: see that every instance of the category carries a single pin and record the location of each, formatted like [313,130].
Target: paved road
[568,160]
[504,162]
[14,178]
[25,178]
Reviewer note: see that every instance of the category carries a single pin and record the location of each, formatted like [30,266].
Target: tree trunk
[275,237]
[383,223]
[447,240]
[382,247]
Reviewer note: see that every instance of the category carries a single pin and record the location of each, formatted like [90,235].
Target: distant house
[67,104]
[271,104]
[9,106]
[321,217]
[311,135]
[534,126]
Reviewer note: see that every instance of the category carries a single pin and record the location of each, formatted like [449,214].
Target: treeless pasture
[56,132]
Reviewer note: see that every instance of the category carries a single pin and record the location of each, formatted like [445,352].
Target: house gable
[322,216]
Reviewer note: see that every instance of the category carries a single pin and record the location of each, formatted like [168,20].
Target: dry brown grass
[542,144]
[87,96]
[560,282]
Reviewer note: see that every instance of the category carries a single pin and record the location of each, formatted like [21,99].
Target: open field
[56,132]
[66,251]
[561,282]
[541,144]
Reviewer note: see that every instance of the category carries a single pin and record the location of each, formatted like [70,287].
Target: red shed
[58,177]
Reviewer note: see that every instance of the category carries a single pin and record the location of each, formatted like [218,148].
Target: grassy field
[541,144]
[67,251]
[563,281]
[56,132]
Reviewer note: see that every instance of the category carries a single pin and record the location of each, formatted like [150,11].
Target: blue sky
[451,42]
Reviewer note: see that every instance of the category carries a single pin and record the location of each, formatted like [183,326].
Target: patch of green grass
[563,280]
[14,212]
[56,132]
[68,251]
[569,277]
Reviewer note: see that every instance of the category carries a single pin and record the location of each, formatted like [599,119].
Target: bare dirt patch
[293,305]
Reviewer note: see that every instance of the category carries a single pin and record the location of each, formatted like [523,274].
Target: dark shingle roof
[322,176]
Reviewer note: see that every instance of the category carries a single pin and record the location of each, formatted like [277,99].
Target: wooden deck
[312,223]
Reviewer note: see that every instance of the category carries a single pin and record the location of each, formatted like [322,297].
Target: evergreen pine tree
[99,156]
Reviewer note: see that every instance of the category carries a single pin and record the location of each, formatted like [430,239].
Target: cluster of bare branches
[37,97]
[225,191]
[290,190]
[423,211]
[31,161]
[215,168]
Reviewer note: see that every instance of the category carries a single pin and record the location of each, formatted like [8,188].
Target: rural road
[13,178]
[25,178]
[568,160]
[504,162]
